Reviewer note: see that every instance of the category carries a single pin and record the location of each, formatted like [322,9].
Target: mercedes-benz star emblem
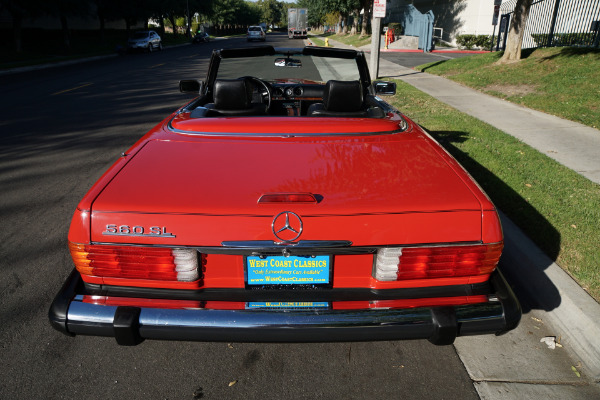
[287,226]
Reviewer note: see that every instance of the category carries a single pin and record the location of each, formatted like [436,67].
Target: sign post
[497,4]
[379,9]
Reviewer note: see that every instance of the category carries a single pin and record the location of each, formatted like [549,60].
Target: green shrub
[466,41]
[484,41]
[397,27]
[470,41]
[565,39]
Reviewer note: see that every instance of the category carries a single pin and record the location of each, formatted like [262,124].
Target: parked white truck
[297,22]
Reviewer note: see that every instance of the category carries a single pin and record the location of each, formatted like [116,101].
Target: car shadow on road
[523,263]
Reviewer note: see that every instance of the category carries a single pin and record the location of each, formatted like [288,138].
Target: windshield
[254,29]
[140,35]
[270,68]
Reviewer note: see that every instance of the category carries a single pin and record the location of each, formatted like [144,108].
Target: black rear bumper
[131,325]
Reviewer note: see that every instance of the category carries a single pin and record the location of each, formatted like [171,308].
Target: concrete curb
[367,48]
[542,284]
[433,51]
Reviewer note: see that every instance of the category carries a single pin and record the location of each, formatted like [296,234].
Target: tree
[224,12]
[316,11]
[331,18]
[18,11]
[64,9]
[514,40]
[367,6]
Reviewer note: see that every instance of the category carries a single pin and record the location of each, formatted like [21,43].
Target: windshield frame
[261,51]
[140,35]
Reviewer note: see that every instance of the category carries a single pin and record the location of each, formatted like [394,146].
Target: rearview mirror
[384,88]
[287,62]
[192,86]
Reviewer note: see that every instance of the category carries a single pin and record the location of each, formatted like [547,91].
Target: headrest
[343,96]
[232,94]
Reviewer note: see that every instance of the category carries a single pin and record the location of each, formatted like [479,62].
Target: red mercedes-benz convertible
[286,203]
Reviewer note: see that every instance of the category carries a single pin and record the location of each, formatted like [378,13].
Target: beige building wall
[457,17]
[478,17]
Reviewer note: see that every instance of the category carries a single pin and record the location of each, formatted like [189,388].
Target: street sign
[497,4]
[379,8]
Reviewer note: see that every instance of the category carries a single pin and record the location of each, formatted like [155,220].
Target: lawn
[352,40]
[316,40]
[556,207]
[563,81]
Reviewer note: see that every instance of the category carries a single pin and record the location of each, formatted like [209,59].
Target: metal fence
[555,23]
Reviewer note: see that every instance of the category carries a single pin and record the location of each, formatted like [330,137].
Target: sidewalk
[574,145]
[517,365]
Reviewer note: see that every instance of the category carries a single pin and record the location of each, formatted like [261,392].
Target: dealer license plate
[301,305]
[291,270]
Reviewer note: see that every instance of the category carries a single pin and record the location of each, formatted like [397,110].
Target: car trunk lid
[373,180]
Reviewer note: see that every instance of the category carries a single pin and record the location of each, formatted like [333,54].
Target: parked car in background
[201,37]
[144,41]
[256,33]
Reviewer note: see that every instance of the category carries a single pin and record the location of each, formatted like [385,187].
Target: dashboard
[294,99]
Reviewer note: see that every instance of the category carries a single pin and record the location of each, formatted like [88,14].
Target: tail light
[156,263]
[404,263]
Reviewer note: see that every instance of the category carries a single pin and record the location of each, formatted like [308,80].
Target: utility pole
[379,9]
[375,39]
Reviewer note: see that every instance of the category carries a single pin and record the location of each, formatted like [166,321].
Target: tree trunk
[162,26]
[188,32]
[345,27]
[339,27]
[355,17]
[18,30]
[102,26]
[365,21]
[172,19]
[65,29]
[514,40]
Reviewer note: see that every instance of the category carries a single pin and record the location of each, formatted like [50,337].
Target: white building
[453,17]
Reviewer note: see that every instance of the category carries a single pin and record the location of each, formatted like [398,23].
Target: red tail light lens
[436,262]
[165,264]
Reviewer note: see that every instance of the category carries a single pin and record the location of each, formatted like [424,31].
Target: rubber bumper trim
[60,306]
[131,325]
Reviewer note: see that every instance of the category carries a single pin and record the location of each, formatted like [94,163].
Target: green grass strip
[352,40]
[556,207]
[563,81]
[316,40]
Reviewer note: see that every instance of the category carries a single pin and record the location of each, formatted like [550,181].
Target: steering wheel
[266,93]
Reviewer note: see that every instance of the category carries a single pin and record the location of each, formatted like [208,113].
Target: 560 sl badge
[126,230]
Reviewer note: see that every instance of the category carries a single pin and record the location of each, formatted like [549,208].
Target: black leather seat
[340,99]
[233,97]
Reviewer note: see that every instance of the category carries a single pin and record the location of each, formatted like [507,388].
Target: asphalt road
[60,129]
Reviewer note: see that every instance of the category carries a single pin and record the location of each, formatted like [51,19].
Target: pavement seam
[530,382]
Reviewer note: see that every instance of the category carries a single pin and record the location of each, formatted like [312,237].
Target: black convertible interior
[244,97]
[252,96]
